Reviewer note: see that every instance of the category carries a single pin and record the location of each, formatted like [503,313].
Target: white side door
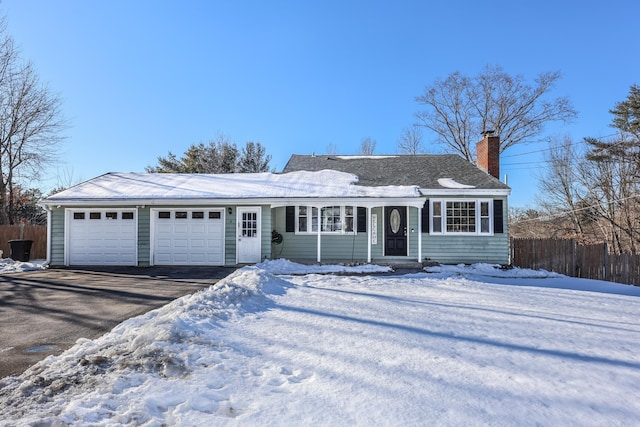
[248,234]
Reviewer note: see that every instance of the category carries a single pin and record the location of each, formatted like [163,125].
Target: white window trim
[443,217]
[310,231]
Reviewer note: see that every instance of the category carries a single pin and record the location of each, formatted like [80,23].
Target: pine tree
[219,155]
[254,158]
[627,114]
[626,119]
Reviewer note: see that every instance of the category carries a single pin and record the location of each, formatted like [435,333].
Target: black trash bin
[20,249]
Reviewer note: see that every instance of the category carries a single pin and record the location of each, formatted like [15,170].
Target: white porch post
[420,234]
[319,244]
[369,233]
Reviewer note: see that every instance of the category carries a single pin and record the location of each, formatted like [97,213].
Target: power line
[551,148]
[566,212]
[539,163]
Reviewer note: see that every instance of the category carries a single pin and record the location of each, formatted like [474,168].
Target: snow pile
[7,265]
[259,349]
[491,273]
[145,366]
[490,270]
[284,266]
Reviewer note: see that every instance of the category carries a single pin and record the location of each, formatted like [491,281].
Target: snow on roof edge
[300,184]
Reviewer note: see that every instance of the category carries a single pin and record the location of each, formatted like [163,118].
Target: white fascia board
[464,192]
[273,202]
[417,202]
[153,202]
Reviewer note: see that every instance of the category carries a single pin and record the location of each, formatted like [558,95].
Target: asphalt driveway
[45,312]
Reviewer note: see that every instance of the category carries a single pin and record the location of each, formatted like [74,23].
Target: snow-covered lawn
[455,346]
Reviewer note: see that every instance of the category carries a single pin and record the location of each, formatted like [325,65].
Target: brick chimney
[488,153]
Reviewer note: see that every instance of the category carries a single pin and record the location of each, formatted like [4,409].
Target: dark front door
[395,230]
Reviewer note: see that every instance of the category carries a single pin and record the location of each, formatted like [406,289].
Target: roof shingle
[422,170]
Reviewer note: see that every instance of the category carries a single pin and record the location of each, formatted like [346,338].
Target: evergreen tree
[627,114]
[254,158]
[220,155]
[626,119]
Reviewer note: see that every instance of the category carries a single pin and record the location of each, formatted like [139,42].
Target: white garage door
[102,237]
[188,237]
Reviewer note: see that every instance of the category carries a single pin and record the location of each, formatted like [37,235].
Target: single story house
[381,209]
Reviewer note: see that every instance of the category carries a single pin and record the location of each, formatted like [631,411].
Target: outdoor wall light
[230,210]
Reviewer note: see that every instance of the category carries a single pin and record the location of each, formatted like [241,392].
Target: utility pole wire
[566,212]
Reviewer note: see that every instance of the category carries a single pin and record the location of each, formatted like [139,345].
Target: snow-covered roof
[302,184]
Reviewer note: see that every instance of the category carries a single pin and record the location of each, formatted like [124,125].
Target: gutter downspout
[319,243]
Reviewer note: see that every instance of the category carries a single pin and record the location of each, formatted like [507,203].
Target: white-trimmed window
[332,219]
[307,219]
[349,219]
[436,216]
[462,216]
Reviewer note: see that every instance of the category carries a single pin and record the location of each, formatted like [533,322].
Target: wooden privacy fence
[37,233]
[566,256]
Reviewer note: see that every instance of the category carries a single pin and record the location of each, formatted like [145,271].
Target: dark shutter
[362,219]
[498,217]
[290,219]
[425,217]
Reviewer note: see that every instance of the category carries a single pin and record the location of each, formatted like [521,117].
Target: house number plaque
[374,229]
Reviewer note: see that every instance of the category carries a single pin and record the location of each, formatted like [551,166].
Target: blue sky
[140,78]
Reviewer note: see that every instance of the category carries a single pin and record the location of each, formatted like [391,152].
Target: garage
[188,236]
[101,237]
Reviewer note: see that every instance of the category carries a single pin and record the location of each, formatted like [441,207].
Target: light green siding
[57,237]
[343,248]
[445,249]
[301,248]
[265,250]
[466,249]
[144,233]
[144,237]
[412,233]
[230,236]
[378,249]
[340,247]
[452,249]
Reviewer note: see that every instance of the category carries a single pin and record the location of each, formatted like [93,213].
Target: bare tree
[611,172]
[612,179]
[367,146]
[598,192]
[332,149]
[30,125]
[560,189]
[410,141]
[532,223]
[460,108]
